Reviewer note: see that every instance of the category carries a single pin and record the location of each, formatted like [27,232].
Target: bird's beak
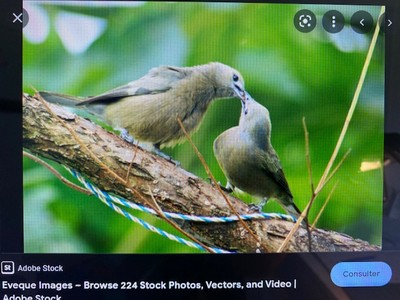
[240,92]
[243,100]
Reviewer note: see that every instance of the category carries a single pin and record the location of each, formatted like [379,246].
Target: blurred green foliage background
[293,74]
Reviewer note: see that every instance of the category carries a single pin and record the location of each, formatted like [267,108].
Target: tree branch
[174,189]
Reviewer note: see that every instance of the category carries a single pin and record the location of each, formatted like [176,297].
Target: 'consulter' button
[352,274]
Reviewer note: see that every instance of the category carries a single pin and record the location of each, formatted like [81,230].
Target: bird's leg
[229,188]
[258,207]
[157,151]
[125,135]
[155,148]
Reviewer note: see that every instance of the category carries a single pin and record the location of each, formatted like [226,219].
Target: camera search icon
[7,267]
[305,20]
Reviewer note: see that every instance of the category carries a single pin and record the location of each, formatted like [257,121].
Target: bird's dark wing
[157,80]
[271,165]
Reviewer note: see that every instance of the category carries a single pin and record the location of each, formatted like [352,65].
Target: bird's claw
[257,207]
[228,189]
[167,157]
[125,135]
[254,208]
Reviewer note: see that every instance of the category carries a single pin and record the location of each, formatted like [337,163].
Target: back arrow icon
[362,22]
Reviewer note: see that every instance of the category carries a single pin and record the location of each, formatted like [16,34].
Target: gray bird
[148,107]
[249,161]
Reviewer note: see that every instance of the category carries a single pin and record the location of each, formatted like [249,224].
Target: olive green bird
[148,108]
[249,161]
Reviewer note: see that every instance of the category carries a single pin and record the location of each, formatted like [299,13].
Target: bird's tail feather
[294,211]
[63,100]
[70,101]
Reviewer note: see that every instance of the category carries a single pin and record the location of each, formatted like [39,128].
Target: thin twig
[315,195]
[297,225]
[337,167]
[131,164]
[155,202]
[309,168]
[323,206]
[308,159]
[57,174]
[215,183]
[306,211]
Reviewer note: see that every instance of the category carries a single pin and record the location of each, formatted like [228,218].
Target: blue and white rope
[207,219]
[107,200]
[111,200]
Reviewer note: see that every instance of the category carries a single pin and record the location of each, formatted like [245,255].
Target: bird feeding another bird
[248,160]
[148,108]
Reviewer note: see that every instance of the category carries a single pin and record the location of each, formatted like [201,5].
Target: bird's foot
[230,188]
[254,208]
[226,189]
[125,135]
[152,148]
[159,153]
[257,208]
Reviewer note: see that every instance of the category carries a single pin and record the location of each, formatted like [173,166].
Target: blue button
[353,274]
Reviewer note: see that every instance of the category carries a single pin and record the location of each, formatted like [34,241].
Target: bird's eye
[235,77]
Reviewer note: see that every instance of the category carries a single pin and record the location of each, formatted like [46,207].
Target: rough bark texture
[175,189]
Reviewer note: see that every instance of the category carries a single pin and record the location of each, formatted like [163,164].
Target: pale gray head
[229,81]
[253,113]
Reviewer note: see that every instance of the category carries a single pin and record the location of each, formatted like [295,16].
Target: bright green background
[293,74]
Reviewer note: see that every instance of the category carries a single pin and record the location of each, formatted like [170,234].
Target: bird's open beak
[242,94]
